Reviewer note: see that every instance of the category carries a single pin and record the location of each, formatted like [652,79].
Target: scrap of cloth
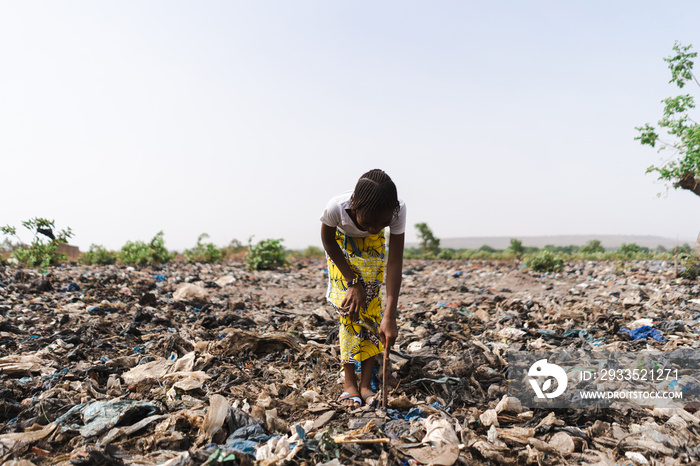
[359,339]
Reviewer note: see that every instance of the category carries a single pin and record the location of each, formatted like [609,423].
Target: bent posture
[352,233]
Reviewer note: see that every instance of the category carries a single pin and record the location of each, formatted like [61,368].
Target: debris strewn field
[199,364]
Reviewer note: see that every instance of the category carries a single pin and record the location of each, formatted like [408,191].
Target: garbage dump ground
[190,364]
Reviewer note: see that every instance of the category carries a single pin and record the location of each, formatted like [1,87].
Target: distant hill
[608,241]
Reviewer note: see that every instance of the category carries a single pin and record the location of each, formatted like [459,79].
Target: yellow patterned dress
[359,340]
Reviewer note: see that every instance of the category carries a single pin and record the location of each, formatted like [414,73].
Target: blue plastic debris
[457,274]
[246,439]
[644,332]
[375,384]
[160,277]
[73,287]
[25,380]
[413,413]
[686,385]
[577,332]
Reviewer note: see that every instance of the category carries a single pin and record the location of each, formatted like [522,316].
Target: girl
[352,233]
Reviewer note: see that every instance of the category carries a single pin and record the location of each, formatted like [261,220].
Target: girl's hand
[388,332]
[354,301]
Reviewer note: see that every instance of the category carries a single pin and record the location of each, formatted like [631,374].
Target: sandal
[354,397]
[369,398]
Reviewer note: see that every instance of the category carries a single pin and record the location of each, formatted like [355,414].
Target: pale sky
[239,118]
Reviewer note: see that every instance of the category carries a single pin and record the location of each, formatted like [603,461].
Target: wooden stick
[340,439]
[385,371]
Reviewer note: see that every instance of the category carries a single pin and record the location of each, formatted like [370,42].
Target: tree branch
[694,78]
[690,183]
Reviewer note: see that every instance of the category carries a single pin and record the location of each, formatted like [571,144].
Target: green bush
[691,266]
[203,252]
[561,250]
[632,251]
[98,255]
[446,254]
[42,252]
[516,247]
[268,254]
[544,261]
[140,253]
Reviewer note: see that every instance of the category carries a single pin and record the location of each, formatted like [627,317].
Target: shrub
[633,251]
[98,255]
[516,247]
[691,266]
[268,254]
[203,252]
[592,247]
[140,253]
[447,254]
[544,261]
[42,251]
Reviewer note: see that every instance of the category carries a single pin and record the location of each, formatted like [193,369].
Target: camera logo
[541,369]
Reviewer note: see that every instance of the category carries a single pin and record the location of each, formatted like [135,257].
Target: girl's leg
[350,385]
[366,377]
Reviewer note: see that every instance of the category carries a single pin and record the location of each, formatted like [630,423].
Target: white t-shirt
[336,216]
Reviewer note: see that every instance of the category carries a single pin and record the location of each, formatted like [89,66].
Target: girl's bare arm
[388,330]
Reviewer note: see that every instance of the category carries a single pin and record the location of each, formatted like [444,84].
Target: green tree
[429,243]
[487,248]
[680,132]
[631,251]
[516,247]
[592,247]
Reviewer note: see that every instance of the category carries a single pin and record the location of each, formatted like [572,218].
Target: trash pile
[194,364]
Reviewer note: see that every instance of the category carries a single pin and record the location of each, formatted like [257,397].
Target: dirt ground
[194,364]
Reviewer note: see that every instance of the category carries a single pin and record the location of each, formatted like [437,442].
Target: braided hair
[375,194]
